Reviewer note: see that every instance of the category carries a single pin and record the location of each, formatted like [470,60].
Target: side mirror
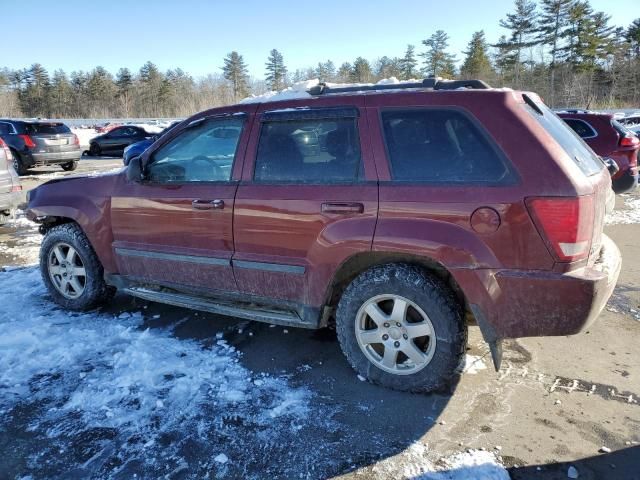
[134,170]
[612,166]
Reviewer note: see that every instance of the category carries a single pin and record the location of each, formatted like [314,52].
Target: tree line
[562,49]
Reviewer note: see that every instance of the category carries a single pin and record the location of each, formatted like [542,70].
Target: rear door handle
[342,208]
[208,204]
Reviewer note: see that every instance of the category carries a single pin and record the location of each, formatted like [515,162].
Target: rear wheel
[71,270]
[401,328]
[68,167]
[17,163]
[94,150]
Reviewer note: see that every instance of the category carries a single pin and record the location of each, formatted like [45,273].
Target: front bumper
[50,158]
[513,304]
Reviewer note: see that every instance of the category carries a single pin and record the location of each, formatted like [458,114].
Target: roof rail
[433,83]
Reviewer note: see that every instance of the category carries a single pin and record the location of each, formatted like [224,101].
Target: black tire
[433,297]
[94,150]
[69,167]
[18,166]
[96,291]
[4,218]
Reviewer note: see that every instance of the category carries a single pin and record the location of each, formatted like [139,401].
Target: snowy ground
[114,394]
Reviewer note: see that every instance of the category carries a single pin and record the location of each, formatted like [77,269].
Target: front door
[175,228]
[307,202]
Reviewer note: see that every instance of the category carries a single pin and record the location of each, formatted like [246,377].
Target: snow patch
[630,214]
[78,373]
[472,364]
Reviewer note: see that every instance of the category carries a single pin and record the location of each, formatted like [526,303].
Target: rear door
[307,202]
[175,228]
[51,137]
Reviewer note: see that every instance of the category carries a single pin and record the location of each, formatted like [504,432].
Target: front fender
[84,200]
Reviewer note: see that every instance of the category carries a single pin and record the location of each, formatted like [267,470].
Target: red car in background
[608,138]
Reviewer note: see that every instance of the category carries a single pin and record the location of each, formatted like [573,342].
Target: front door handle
[208,204]
[342,208]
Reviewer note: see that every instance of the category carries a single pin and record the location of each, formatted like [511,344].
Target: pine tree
[326,71]
[523,25]
[235,71]
[61,94]
[632,35]
[276,71]
[551,31]
[477,63]
[124,84]
[344,73]
[437,61]
[361,71]
[386,67]
[34,98]
[100,91]
[408,64]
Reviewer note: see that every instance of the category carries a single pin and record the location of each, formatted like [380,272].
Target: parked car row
[396,213]
[608,138]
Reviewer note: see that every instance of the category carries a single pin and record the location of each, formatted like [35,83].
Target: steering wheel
[216,172]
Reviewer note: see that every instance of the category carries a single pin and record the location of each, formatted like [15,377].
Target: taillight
[7,152]
[76,140]
[566,223]
[629,141]
[28,141]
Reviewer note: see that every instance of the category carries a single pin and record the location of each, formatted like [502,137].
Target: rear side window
[309,151]
[580,153]
[441,146]
[47,128]
[582,128]
[5,129]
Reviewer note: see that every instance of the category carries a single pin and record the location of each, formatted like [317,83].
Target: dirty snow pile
[107,395]
[26,248]
[630,214]
[85,135]
[413,463]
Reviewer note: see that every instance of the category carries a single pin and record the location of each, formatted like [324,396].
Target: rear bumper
[48,158]
[513,304]
[626,182]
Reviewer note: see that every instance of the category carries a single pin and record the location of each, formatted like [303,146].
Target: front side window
[202,153]
[440,146]
[309,151]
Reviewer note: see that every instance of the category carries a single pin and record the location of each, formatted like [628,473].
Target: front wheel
[69,167]
[401,328]
[71,270]
[94,150]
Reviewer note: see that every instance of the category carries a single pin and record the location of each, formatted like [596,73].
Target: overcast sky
[196,34]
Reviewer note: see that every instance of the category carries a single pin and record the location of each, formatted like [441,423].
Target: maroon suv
[608,138]
[397,215]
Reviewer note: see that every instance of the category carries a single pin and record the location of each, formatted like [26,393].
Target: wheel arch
[358,263]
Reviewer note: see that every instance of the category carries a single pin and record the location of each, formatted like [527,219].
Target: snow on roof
[299,91]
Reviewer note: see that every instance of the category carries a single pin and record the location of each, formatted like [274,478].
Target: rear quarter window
[441,146]
[579,152]
[581,127]
[47,128]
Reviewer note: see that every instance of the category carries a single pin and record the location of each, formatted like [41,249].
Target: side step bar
[246,311]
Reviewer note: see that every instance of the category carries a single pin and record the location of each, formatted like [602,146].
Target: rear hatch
[51,137]
[598,202]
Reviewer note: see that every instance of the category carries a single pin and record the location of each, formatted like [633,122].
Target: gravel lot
[149,390]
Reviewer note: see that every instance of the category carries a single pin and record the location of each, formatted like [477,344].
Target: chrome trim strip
[270,267]
[173,257]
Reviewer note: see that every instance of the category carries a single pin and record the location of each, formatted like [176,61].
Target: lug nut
[385,337]
[398,324]
[396,344]
[405,336]
[386,325]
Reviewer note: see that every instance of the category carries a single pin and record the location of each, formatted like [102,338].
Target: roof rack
[432,83]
